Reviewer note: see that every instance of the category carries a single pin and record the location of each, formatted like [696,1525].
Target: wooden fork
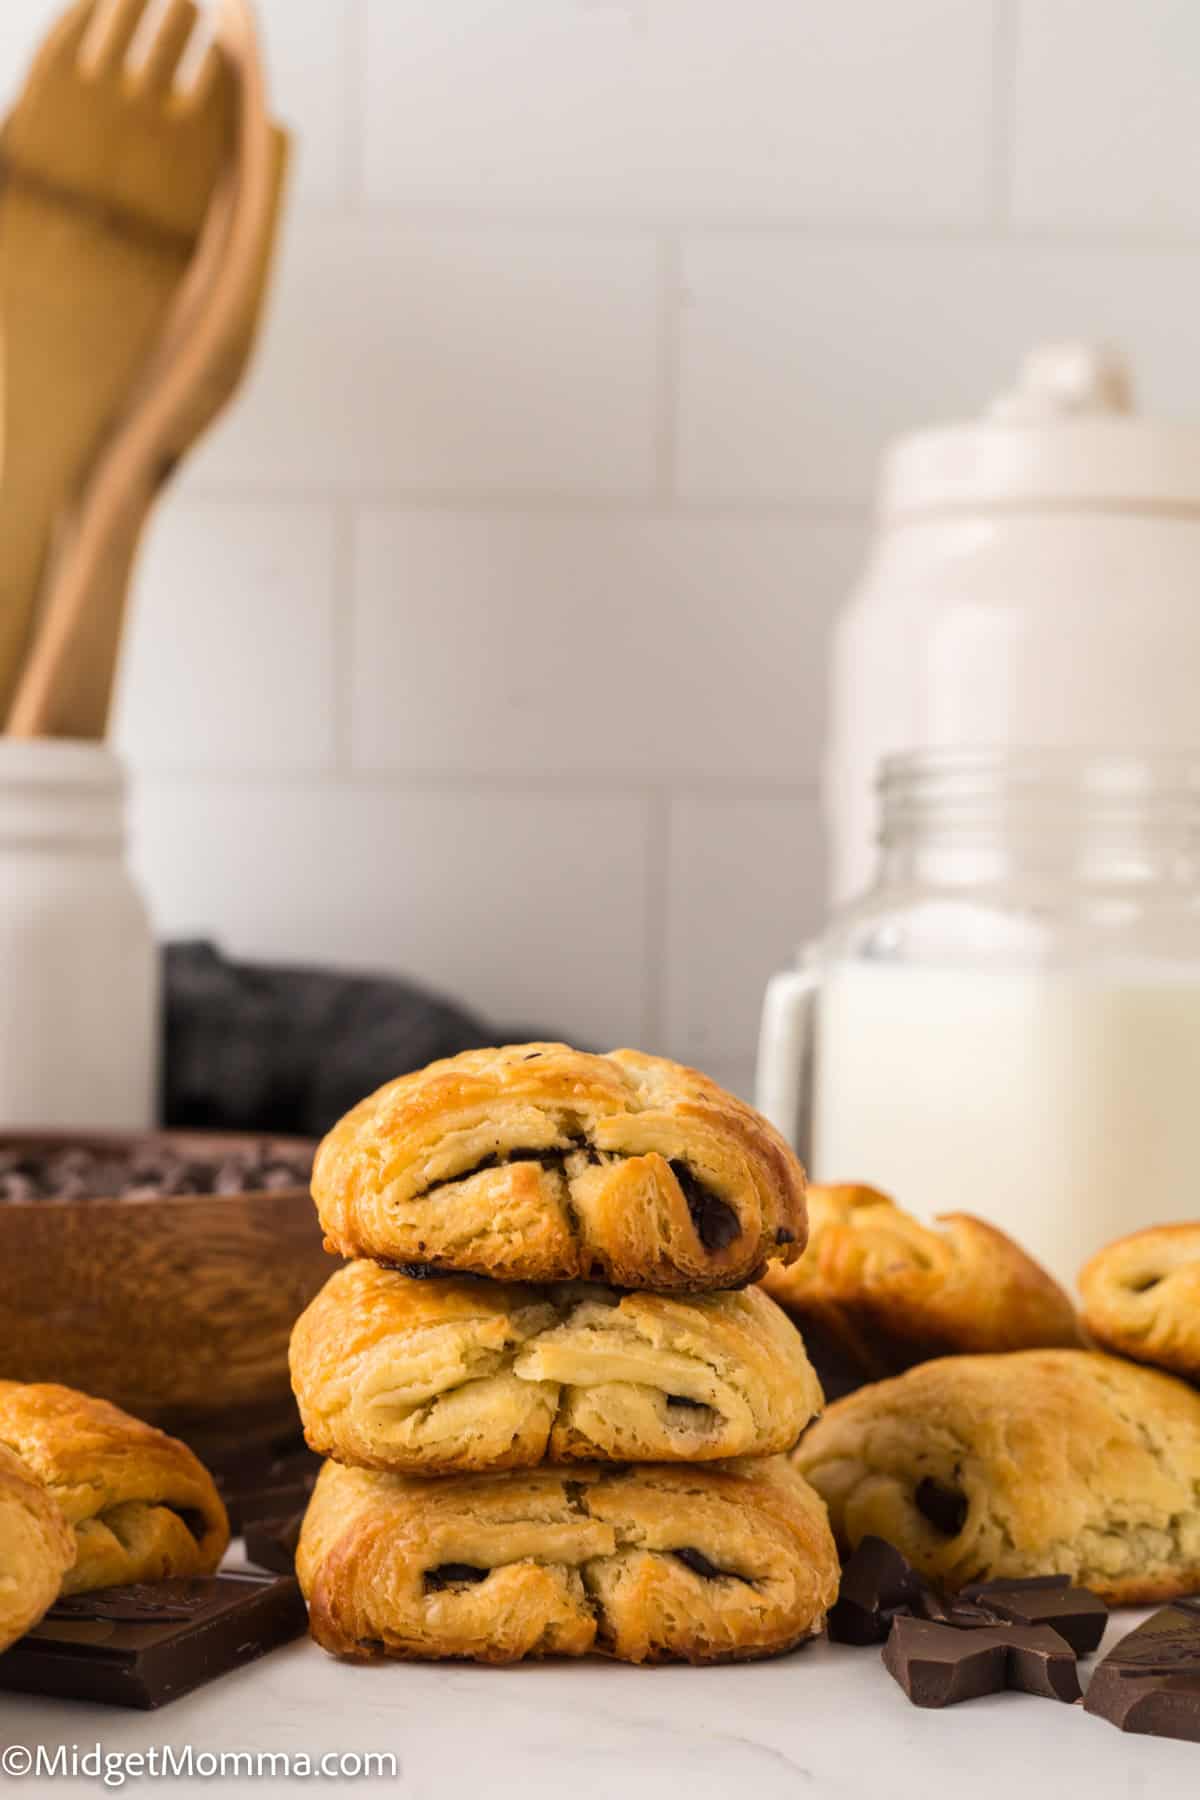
[108,175]
[66,687]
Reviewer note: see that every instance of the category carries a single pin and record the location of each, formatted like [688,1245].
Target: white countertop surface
[826,1721]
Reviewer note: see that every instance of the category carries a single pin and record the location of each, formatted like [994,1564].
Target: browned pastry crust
[877,1291]
[1039,1462]
[141,1505]
[461,1374]
[1141,1298]
[647,1564]
[37,1547]
[540,1163]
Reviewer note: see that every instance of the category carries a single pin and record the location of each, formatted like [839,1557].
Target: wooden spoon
[108,175]
[65,690]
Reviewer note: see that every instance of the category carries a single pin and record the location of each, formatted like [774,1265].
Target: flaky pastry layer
[647,1564]
[140,1505]
[1034,1463]
[458,1374]
[536,1162]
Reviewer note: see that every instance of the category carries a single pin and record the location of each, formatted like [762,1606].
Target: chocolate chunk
[940,1665]
[877,1583]
[717,1224]
[1074,1612]
[453,1574]
[1150,1681]
[134,1647]
[944,1507]
[271,1543]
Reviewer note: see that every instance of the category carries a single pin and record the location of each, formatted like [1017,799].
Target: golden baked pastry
[539,1163]
[648,1564]
[37,1547]
[877,1291]
[1141,1298]
[141,1505]
[1035,1463]
[461,1374]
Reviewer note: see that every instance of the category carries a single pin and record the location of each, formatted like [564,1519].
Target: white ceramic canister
[79,1024]
[1035,582]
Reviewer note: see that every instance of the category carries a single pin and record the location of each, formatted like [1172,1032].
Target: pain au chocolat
[982,1468]
[37,1547]
[139,1504]
[1141,1298]
[537,1162]
[648,1563]
[877,1291]
[434,1377]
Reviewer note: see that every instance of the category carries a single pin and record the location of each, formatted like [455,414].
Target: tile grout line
[344,608]
[657,827]
[585,782]
[352,147]
[212,490]
[670,299]
[1005,29]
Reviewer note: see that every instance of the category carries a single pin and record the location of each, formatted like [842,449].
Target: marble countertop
[825,1721]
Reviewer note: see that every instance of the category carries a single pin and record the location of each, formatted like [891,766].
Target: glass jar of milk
[1008,1022]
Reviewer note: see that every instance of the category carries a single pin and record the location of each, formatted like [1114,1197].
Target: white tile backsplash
[1105,115]
[801,359]
[230,658]
[531,907]
[696,108]
[744,885]
[647,647]
[492,360]
[484,641]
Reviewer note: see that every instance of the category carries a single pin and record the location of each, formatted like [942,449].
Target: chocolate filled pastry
[438,1377]
[982,1468]
[539,1163]
[140,1506]
[877,1291]
[647,1564]
[37,1547]
[1141,1298]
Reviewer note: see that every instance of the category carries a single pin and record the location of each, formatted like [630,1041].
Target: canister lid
[1066,434]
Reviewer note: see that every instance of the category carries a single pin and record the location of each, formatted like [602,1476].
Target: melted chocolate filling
[716,1223]
[944,1507]
[698,1563]
[453,1575]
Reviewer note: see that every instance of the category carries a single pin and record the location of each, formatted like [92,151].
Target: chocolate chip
[453,1574]
[784,1236]
[944,1507]
[717,1224]
[148,1171]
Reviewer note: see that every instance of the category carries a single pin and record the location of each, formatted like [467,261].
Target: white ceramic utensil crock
[79,987]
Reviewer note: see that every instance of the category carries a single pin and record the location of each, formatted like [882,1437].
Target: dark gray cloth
[256,1047]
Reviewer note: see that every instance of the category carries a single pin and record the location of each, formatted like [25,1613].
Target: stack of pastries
[557,1414]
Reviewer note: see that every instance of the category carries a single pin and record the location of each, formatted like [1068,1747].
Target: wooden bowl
[178,1307]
